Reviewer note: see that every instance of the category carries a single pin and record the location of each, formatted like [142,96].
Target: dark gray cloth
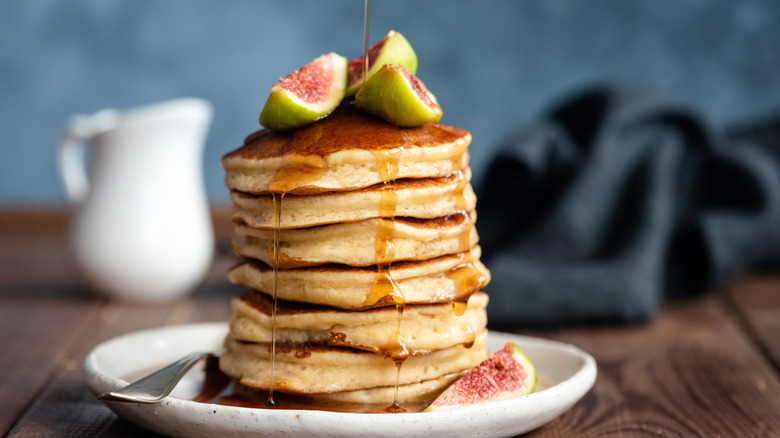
[619,198]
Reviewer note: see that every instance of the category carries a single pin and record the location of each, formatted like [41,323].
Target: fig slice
[392,49]
[508,373]
[306,95]
[399,97]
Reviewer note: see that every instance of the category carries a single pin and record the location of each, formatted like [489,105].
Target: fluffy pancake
[426,198]
[439,280]
[423,328]
[348,150]
[355,243]
[316,369]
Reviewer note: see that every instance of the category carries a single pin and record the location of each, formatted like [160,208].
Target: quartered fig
[399,97]
[392,49]
[508,373]
[306,95]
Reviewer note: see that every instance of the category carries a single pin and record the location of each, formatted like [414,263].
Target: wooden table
[708,366]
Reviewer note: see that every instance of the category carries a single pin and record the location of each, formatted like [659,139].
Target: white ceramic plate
[565,374]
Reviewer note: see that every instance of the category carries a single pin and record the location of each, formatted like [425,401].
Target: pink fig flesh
[355,66]
[508,373]
[311,83]
[306,95]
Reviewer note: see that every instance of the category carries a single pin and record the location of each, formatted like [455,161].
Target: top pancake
[348,150]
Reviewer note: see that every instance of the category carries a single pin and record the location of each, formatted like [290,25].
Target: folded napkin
[619,198]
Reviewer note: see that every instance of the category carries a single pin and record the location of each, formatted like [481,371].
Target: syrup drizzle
[465,269]
[366,20]
[465,274]
[399,357]
[277,223]
[396,407]
[385,291]
[459,307]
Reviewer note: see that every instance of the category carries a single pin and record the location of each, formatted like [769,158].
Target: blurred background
[495,66]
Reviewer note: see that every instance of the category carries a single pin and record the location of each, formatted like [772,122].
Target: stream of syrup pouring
[277,225]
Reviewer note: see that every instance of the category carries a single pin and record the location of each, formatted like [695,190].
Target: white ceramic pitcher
[141,228]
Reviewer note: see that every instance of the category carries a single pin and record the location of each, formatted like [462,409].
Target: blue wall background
[495,66]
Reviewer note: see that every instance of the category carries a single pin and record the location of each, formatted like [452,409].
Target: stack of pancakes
[377,283]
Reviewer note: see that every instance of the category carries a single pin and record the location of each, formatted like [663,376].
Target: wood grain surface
[706,366]
[757,300]
[689,372]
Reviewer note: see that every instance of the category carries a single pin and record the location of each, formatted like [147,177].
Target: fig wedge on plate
[392,49]
[306,95]
[399,97]
[508,373]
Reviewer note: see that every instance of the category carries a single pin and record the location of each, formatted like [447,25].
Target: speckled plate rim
[565,372]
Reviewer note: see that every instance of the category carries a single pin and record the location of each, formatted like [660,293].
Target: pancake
[317,369]
[355,243]
[439,280]
[424,328]
[382,397]
[348,150]
[426,198]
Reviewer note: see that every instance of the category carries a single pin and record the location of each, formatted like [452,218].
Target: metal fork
[155,386]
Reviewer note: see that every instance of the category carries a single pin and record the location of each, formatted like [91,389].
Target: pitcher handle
[70,150]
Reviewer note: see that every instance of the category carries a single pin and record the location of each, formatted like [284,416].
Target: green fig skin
[392,95]
[395,50]
[284,110]
[282,113]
